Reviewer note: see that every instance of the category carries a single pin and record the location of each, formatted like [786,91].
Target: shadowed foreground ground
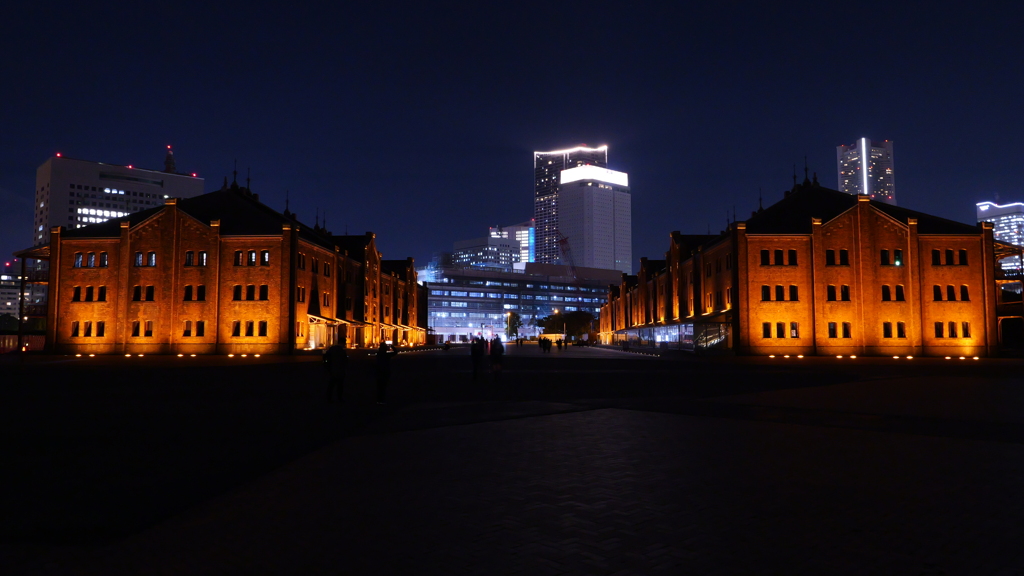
[583,461]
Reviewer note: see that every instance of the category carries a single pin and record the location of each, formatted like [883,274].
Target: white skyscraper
[867,168]
[1008,226]
[577,197]
[74,193]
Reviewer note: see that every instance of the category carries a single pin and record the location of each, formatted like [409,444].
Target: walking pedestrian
[384,354]
[476,350]
[497,351]
[336,360]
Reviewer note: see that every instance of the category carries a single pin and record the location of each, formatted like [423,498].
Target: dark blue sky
[418,121]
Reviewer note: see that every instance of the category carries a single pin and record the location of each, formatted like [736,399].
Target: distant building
[9,286]
[1008,222]
[826,273]
[504,248]
[547,174]
[74,193]
[221,273]
[595,216]
[866,168]
[466,303]
[524,234]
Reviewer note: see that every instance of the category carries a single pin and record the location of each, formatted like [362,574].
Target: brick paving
[826,479]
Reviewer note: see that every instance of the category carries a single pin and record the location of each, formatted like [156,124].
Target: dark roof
[240,214]
[652,266]
[399,267]
[355,245]
[792,214]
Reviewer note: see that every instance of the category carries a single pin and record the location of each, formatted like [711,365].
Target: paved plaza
[581,461]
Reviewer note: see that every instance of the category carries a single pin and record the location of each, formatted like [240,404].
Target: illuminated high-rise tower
[595,216]
[866,168]
[1008,220]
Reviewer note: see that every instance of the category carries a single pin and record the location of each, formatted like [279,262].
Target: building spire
[806,179]
[169,166]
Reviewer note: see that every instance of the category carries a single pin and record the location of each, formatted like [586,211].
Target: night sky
[418,121]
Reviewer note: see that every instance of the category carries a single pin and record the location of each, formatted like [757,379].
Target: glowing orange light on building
[854,357]
[92,355]
[78,355]
[231,355]
[192,355]
[910,357]
[127,355]
[180,355]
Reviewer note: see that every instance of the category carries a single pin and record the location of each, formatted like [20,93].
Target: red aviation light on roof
[129,165]
[193,174]
[58,154]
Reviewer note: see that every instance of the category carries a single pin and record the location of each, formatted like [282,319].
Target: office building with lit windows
[595,216]
[866,168]
[1008,223]
[821,272]
[547,174]
[524,235]
[504,248]
[74,193]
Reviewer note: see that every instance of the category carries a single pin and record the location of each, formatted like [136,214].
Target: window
[830,292]
[301,263]
[845,293]
[188,294]
[951,293]
[937,293]
[791,258]
[884,257]
[327,269]
[76,294]
[778,258]
[238,257]
[264,292]
[728,261]
[965,329]
[794,329]
[187,332]
[830,260]
[236,328]
[91,260]
[886,329]
[190,258]
[135,329]
[949,257]
[149,329]
[251,258]
[900,297]
[136,293]
[766,330]
[794,293]
[936,258]
[316,266]
[74,329]
[833,330]
[780,329]
[952,330]
[844,257]
[707,270]
[780,293]
[765,261]
[964,294]
[237,292]
[262,328]
[847,331]
[78,260]
[327,300]
[886,293]
[88,330]
[250,292]
[100,328]
[139,259]
[151,259]
[104,260]
[201,293]
[102,294]
[149,293]
[901,330]
[897,258]
[963,257]
[200,328]
[202,258]
[88,293]
[766,293]
[265,258]
[248,327]
[939,329]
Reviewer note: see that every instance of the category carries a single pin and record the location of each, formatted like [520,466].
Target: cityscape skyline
[405,132]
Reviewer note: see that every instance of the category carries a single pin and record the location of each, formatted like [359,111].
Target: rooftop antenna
[794,175]
[759,206]
[317,218]
[234,172]
[247,180]
[806,179]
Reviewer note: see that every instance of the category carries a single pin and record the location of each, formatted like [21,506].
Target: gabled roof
[399,267]
[355,245]
[239,211]
[792,214]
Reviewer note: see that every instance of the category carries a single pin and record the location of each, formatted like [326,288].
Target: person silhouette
[336,360]
[384,354]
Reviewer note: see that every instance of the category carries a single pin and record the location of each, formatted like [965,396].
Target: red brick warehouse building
[819,272]
[221,273]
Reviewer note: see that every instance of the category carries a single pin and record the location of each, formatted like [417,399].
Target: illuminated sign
[594,173]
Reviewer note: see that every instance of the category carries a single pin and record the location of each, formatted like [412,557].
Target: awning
[313,319]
